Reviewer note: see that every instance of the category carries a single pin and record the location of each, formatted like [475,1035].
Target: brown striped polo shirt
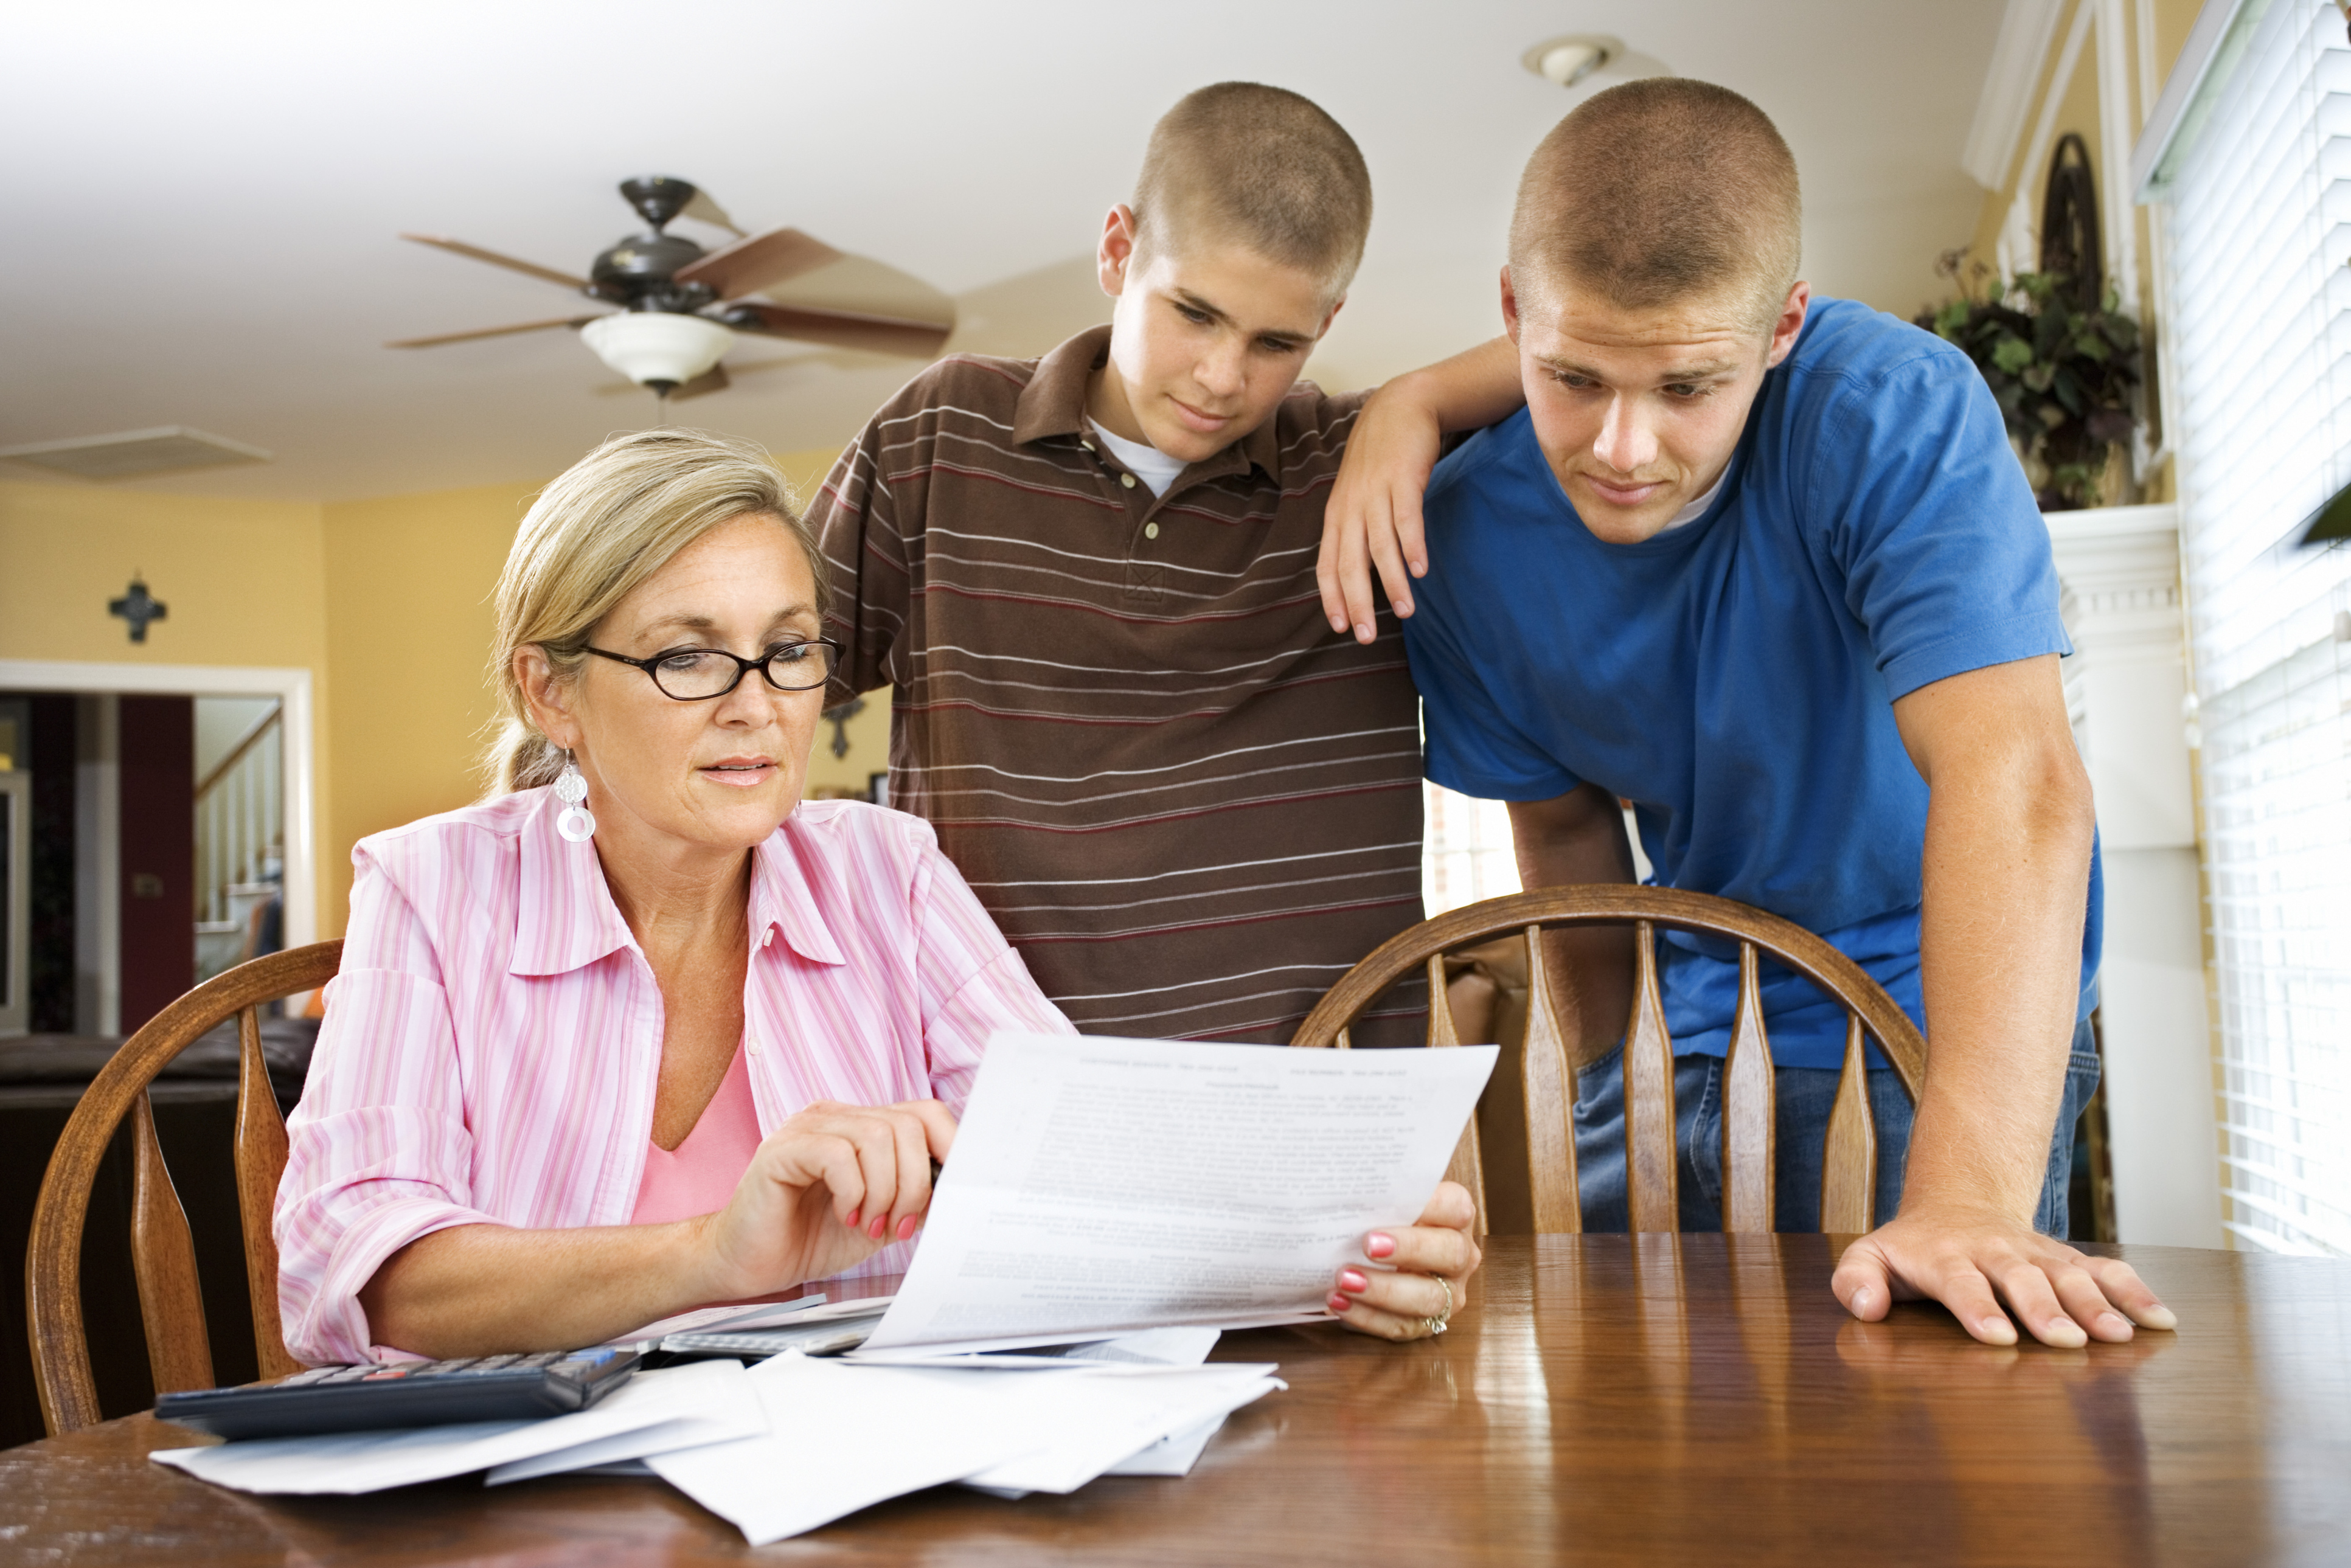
[1188,803]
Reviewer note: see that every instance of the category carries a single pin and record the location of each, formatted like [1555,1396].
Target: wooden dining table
[1599,1398]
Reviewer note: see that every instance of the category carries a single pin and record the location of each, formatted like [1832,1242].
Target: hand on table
[1975,1262]
[1373,518]
[828,1189]
[1399,1304]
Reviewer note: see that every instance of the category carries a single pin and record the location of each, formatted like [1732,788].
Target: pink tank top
[699,1176]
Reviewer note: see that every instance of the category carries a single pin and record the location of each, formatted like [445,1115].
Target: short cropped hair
[1658,191]
[1261,166]
[607,523]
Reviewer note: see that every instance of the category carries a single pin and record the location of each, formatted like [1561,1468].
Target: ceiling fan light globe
[649,346]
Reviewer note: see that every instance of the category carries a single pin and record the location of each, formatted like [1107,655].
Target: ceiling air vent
[134,454]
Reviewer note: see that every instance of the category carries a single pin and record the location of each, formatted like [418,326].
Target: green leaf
[2011,355]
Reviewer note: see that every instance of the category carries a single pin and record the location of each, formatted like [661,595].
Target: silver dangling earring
[575,824]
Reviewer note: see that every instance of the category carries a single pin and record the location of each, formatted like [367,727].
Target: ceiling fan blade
[842,329]
[748,265]
[702,209]
[490,332]
[710,381]
[476,253]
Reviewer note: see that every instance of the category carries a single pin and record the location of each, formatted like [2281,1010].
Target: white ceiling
[205,196]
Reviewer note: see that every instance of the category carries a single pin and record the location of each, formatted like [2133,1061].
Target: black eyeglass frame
[743,667]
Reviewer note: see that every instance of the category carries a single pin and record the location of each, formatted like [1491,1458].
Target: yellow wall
[242,578]
[408,585]
[245,582]
[385,601]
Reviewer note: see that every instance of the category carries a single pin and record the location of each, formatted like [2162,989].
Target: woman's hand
[828,1189]
[1403,1303]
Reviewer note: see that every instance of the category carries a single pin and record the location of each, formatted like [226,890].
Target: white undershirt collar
[1697,509]
[1145,461]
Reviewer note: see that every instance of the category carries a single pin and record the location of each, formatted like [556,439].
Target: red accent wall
[158,752]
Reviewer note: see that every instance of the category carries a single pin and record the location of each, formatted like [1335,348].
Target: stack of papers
[1134,1197]
[739,1442]
[889,1431]
[684,1406]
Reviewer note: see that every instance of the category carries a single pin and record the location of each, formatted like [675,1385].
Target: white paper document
[696,1404]
[1174,1455]
[1103,1186]
[1101,1420]
[842,1438]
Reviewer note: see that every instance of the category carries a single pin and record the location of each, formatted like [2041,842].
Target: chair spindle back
[1749,1088]
[162,1249]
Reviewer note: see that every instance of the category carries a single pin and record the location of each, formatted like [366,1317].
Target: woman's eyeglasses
[698,674]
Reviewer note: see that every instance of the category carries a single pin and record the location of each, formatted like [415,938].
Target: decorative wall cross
[839,717]
[138,607]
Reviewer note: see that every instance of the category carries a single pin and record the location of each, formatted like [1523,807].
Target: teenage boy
[1089,578]
[1763,564]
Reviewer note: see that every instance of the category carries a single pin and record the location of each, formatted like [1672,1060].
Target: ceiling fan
[682,306]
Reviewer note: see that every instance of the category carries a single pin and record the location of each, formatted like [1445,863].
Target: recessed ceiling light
[1567,61]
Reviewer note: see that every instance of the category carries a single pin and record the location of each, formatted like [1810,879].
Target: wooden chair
[163,1252]
[1848,1187]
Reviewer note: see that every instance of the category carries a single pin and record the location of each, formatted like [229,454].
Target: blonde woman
[643,1032]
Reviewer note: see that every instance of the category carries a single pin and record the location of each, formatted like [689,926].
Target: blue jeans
[1805,1097]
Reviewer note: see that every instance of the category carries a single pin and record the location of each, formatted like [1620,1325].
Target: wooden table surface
[1602,1398]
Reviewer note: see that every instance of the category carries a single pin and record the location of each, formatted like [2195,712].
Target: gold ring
[1437,1324]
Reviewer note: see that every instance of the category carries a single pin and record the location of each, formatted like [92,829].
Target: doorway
[156,827]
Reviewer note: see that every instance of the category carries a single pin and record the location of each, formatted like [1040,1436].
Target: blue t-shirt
[1735,677]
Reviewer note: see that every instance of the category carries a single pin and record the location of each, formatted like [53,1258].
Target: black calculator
[412,1394]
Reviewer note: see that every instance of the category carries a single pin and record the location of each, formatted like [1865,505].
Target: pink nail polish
[1353,1281]
[1379,1244]
[1339,1303]
[906,1228]
[879,1225]
[852,1220]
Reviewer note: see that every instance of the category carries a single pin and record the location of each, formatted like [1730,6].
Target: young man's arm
[1579,837]
[1373,519]
[2006,872]
[860,527]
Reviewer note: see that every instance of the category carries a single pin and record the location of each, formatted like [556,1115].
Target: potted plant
[2062,373]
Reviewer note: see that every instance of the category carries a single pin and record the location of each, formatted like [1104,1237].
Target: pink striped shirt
[491,1046]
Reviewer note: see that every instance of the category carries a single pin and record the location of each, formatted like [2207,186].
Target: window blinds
[2260,233]
[1466,854]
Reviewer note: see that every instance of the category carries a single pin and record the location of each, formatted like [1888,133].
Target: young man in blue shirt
[1763,565]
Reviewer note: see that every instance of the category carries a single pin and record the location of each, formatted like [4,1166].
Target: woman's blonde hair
[612,520]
